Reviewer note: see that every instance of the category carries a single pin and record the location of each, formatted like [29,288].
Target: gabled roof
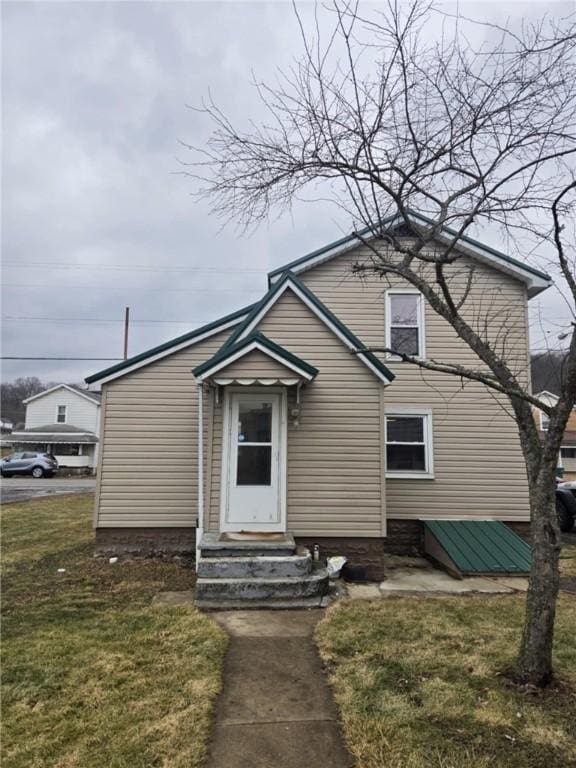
[289,282]
[229,354]
[535,280]
[92,396]
[169,347]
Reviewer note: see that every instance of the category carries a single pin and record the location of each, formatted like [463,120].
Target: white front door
[253,479]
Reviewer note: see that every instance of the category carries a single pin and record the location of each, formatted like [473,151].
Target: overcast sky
[94,216]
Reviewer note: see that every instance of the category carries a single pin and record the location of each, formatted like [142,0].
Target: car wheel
[6,474]
[37,472]
[565,519]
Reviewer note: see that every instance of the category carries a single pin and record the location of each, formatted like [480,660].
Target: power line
[133,267]
[97,320]
[120,288]
[92,359]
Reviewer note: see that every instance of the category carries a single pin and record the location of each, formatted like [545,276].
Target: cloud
[94,101]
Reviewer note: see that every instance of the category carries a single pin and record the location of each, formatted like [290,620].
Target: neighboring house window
[409,444]
[61,415]
[405,323]
[544,422]
[67,449]
[568,453]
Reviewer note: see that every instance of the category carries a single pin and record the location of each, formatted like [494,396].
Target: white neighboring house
[64,421]
[567,457]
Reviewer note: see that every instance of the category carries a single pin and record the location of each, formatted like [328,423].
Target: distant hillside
[547,372]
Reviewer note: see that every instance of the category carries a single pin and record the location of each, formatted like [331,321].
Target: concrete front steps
[252,573]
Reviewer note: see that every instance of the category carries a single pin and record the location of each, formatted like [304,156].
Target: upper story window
[544,421]
[61,415]
[405,331]
[409,444]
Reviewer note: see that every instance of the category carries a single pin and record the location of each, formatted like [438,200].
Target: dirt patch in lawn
[419,684]
[92,674]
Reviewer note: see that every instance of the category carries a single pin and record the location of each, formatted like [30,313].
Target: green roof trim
[276,288]
[225,352]
[481,546]
[319,251]
[348,239]
[190,336]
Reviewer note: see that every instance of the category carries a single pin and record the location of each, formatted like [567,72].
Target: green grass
[568,563]
[421,683]
[93,676]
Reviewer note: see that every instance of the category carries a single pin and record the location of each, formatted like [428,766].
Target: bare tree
[12,395]
[383,122]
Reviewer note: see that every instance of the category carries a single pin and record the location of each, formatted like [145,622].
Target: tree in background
[13,393]
[471,129]
[548,371]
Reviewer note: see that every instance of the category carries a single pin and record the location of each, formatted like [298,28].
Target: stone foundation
[76,472]
[366,552]
[522,529]
[405,537]
[145,541]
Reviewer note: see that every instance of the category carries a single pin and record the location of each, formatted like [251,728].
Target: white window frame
[544,419]
[421,321]
[410,474]
[58,414]
[567,448]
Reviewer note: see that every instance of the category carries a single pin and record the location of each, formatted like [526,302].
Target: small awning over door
[255,360]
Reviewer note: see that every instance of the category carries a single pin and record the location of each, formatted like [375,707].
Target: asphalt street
[26,488]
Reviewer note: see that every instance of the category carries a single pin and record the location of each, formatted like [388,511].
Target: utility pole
[126,324]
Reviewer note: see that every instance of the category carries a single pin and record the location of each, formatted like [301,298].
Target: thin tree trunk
[534,663]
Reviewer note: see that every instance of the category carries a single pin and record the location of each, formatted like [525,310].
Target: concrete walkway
[276,710]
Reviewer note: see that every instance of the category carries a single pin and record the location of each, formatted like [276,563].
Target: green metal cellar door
[476,546]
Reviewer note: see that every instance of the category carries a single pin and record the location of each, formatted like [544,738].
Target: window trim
[567,448]
[410,474]
[58,413]
[421,321]
[542,417]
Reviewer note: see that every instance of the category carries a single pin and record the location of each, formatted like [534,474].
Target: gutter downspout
[200,521]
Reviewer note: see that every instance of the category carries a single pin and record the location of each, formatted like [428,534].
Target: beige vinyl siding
[148,471]
[479,469]
[334,454]
[255,364]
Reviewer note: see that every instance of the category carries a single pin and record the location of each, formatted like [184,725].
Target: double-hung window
[409,444]
[405,331]
[61,414]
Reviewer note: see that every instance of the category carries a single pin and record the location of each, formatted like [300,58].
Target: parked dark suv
[566,505]
[29,463]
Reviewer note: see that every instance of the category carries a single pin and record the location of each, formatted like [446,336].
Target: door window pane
[254,465]
[255,423]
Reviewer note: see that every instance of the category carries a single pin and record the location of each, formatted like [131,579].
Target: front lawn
[419,683]
[568,561]
[93,676]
